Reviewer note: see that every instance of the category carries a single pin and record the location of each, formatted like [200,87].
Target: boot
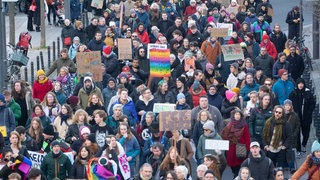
[38,29]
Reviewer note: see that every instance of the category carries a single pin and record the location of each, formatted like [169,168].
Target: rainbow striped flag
[159,62]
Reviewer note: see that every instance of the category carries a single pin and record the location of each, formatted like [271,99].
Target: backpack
[24,40]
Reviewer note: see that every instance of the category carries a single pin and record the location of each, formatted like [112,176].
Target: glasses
[278,112]
[267,84]
[134,36]
[141,51]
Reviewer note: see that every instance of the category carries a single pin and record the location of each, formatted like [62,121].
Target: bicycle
[304,51]
[15,60]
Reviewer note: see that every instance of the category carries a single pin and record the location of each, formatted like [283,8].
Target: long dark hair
[22,93]
[79,158]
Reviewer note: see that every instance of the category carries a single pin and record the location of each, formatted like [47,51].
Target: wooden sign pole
[175,151]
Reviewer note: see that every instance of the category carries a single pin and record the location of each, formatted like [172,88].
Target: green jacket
[16,109]
[59,63]
[56,167]
[84,97]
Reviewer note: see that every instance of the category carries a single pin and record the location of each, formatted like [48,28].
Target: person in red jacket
[196,90]
[41,86]
[142,34]
[271,48]
[190,10]
[235,39]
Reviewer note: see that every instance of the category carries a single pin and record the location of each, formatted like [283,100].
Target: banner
[232,10]
[217,144]
[155,46]
[175,120]
[225,3]
[226,25]
[37,158]
[159,107]
[159,62]
[232,52]
[90,62]
[124,48]
[124,166]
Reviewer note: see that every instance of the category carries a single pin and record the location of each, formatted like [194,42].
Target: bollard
[58,47]
[26,73]
[53,50]
[32,73]
[41,60]
[38,63]
[49,56]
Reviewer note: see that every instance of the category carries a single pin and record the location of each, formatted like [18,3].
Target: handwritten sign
[225,3]
[226,25]
[232,52]
[124,166]
[3,130]
[90,62]
[270,12]
[232,10]
[216,144]
[160,107]
[97,4]
[124,48]
[160,63]
[155,46]
[175,120]
[37,158]
[219,32]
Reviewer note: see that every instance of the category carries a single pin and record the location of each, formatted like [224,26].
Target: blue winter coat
[128,110]
[282,89]
[75,9]
[132,148]
[244,92]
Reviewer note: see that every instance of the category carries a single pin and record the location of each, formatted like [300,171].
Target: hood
[265,37]
[257,160]
[88,78]
[146,101]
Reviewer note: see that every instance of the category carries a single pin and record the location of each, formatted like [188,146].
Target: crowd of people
[260,104]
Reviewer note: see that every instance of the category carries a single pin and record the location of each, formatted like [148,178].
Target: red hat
[125,68]
[107,50]
[281,71]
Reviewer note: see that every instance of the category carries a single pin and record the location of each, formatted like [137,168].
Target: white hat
[254,143]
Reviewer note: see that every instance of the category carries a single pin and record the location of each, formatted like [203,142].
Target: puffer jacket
[56,167]
[257,119]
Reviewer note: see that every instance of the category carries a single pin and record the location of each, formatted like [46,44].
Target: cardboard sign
[160,63]
[155,46]
[3,131]
[160,107]
[175,120]
[226,25]
[97,4]
[232,52]
[225,3]
[125,48]
[90,62]
[219,32]
[232,10]
[216,144]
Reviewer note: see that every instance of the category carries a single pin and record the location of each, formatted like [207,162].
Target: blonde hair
[45,101]
[77,115]
[19,138]
[32,131]
[90,98]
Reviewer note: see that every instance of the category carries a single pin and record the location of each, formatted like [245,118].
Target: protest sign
[159,62]
[90,62]
[270,11]
[225,3]
[37,158]
[175,120]
[159,107]
[155,46]
[232,52]
[97,4]
[232,10]
[124,166]
[226,25]
[219,32]
[124,48]
[3,130]
[216,144]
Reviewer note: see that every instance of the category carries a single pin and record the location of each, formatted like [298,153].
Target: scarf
[41,115]
[234,130]
[315,160]
[64,118]
[43,81]
[63,79]
[276,133]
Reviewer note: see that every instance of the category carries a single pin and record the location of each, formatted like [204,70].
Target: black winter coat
[257,119]
[78,171]
[265,62]
[296,66]
[112,65]
[279,40]
[81,33]
[91,31]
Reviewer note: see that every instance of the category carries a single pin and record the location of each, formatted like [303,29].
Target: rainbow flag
[159,62]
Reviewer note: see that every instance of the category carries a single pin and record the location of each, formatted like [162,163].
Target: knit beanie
[180,96]
[209,125]
[196,86]
[209,66]
[49,130]
[315,146]
[40,72]
[281,71]
[287,101]
[107,50]
[236,90]
[125,68]
[300,80]
[182,79]
[55,143]
[230,94]
[123,74]
[84,130]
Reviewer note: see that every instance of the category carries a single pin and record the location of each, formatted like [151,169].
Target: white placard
[160,107]
[9,0]
[217,144]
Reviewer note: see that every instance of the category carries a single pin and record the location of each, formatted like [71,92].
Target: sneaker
[298,155]
[303,149]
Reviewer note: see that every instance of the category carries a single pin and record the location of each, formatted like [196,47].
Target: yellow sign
[3,130]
